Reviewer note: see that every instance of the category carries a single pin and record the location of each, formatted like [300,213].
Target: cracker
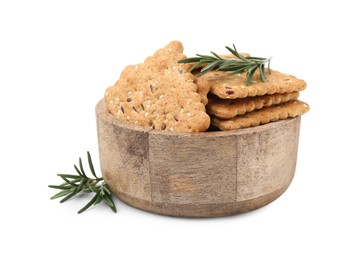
[202,83]
[159,94]
[263,116]
[228,108]
[231,86]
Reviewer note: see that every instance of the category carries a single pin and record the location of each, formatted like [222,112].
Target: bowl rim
[102,112]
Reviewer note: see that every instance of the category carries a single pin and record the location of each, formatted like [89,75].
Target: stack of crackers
[233,105]
[161,94]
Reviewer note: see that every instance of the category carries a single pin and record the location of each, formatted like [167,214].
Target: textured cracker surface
[159,94]
[202,82]
[228,108]
[231,86]
[263,116]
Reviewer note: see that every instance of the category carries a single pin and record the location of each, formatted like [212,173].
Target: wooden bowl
[197,174]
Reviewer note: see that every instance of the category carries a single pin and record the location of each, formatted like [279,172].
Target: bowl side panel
[267,159]
[123,157]
[192,169]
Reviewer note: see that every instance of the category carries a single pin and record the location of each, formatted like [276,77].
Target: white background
[58,57]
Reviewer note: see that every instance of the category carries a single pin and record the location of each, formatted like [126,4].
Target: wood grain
[187,168]
[123,156]
[197,174]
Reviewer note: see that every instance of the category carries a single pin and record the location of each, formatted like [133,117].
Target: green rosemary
[81,183]
[238,64]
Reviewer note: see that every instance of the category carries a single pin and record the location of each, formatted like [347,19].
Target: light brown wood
[197,174]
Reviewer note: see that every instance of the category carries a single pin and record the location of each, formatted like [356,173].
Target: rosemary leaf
[249,76]
[91,165]
[81,183]
[109,198]
[77,170]
[90,203]
[216,55]
[238,64]
[61,194]
[58,187]
[261,70]
[69,196]
[69,176]
[81,167]
[108,201]
[64,178]
[106,189]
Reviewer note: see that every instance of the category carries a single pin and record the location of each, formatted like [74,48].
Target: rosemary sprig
[239,64]
[81,183]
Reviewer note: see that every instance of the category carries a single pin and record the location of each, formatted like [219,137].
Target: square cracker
[228,108]
[231,86]
[159,94]
[263,116]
